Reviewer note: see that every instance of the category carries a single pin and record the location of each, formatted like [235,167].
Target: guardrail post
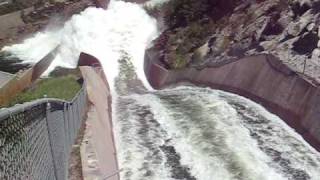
[72,124]
[78,115]
[66,138]
[50,140]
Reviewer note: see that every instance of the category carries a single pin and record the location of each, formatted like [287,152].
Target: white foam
[35,48]
[135,159]
[155,3]
[200,154]
[105,34]
[126,27]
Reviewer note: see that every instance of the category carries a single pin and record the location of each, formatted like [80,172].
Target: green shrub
[185,40]
[182,12]
[180,61]
[62,88]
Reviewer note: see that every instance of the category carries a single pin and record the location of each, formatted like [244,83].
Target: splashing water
[155,3]
[215,136]
[182,133]
[124,27]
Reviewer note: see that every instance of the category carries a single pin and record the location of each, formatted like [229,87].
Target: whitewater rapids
[197,133]
[124,27]
[184,133]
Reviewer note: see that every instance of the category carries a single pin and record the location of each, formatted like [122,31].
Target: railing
[36,138]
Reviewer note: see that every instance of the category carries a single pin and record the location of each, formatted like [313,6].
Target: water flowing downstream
[198,133]
[182,133]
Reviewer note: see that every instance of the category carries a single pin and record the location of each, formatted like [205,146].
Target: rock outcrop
[265,50]
[289,30]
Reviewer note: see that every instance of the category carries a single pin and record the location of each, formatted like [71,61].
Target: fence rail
[36,138]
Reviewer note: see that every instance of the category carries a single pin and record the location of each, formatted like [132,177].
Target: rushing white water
[155,3]
[182,133]
[124,27]
[218,136]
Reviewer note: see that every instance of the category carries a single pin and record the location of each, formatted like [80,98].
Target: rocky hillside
[23,19]
[19,19]
[200,33]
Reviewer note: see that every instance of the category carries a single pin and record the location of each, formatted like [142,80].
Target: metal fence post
[72,124]
[51,122]
[50,140]
[78,114]
[66,138]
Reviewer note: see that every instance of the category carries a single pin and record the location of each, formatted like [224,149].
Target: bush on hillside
[181,12]
[65,87]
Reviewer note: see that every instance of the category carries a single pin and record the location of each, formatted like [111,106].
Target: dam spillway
[178,133]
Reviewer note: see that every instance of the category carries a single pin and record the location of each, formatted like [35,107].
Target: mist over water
[124,27]
[183,133]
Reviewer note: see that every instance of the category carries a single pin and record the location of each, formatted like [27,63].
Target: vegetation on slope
[65,87]
[182,12]
[189,23]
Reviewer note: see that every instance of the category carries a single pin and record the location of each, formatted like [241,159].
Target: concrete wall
[261,78]
[20,82]
[102,128]
[15,86]
[5,78]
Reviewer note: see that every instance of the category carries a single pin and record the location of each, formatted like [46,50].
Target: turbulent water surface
[197,133]
[185,133]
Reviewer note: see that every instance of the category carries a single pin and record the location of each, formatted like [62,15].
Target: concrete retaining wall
[263,79]
[15,86]
[101,125]
[20,82]
[5,78]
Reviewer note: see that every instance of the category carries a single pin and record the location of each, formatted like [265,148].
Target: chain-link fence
[36,138]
